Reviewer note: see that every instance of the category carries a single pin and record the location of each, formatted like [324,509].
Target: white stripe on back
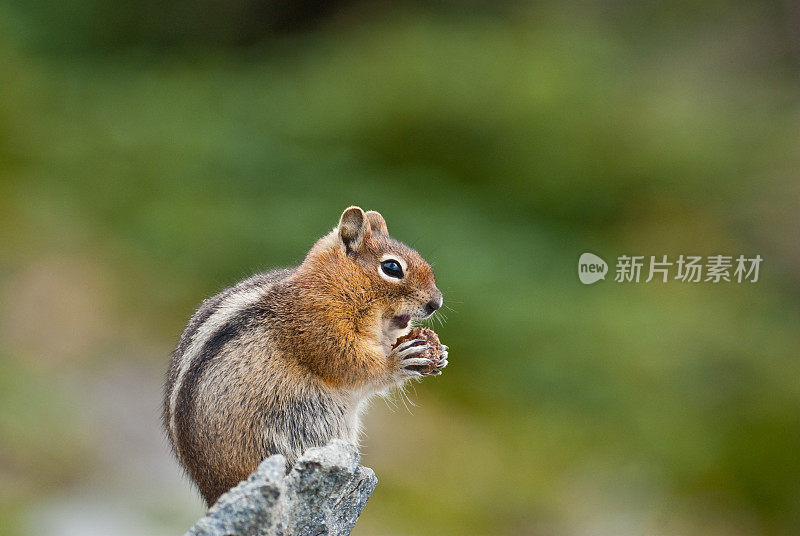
[226,310]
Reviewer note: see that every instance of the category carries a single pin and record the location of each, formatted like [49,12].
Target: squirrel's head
[365,264]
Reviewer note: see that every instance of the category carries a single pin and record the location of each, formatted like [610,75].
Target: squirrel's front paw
[409,357]
[420,357]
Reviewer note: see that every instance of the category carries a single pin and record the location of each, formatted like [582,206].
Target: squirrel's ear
[353,226]
[377,223]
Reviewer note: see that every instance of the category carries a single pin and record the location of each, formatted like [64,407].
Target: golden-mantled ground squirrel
[285,360]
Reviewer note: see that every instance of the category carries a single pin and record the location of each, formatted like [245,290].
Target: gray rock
[322,495]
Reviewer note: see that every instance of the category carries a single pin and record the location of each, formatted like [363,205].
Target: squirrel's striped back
[216,319]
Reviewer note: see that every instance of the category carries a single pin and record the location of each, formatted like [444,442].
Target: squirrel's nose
[434,304]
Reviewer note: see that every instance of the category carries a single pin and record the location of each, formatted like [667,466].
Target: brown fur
[291,368]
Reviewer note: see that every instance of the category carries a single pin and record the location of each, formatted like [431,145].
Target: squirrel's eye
[392,268]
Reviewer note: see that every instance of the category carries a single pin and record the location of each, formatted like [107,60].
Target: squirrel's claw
[420,350]
[409,344]
[417,361]
[406,350]
[442,358]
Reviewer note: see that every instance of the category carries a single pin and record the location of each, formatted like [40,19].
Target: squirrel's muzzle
[434,303]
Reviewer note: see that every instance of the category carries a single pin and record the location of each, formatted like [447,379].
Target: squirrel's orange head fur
[373,278]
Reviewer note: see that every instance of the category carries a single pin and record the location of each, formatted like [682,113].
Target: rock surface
[322,495]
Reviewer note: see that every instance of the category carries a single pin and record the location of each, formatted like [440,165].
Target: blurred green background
[152,154]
